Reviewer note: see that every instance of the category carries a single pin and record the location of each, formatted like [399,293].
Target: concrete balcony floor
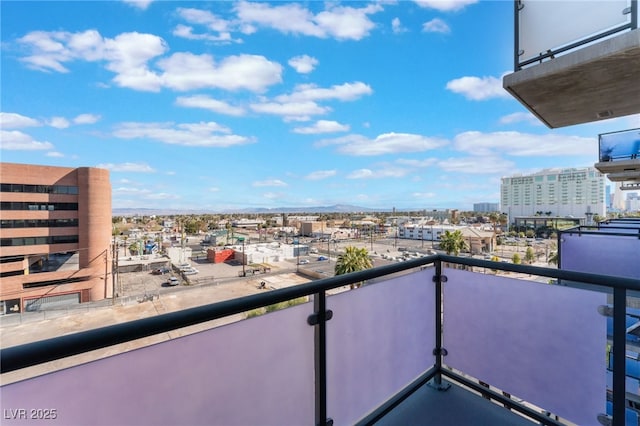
[455,406]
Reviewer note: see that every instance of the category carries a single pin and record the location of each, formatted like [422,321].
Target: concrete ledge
[594,82]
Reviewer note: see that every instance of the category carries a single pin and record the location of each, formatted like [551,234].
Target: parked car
[160,271]
[173,281]
[304,261]
[320,258]
[190,271]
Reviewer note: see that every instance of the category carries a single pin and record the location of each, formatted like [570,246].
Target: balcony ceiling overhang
[594,82]
[620,170]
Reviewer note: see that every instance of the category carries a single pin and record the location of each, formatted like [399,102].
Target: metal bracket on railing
[314,319]
[605,419]
[440,351]
[441,278]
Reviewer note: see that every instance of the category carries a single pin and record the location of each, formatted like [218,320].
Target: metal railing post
[319,320]
[439,352]
[619,355]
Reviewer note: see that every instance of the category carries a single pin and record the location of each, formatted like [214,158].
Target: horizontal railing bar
[610,281]
[501,398]
[29,354]
[398,398]
[26,355]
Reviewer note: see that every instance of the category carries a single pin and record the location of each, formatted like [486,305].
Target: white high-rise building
[554,192]
[619,198]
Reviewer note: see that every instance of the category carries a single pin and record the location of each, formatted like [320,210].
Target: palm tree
[452,242]
[352,260]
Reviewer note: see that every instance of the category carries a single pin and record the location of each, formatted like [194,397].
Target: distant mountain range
[337,208]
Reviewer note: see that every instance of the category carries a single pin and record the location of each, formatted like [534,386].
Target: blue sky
[228,105]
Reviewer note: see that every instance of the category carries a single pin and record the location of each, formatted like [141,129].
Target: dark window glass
[7,205]
[39,189]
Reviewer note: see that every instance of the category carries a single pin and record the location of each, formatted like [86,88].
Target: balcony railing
[352,357]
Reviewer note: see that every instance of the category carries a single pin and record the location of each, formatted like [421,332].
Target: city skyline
[218,106]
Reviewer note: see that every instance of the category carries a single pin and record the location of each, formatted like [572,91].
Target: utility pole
[244,273]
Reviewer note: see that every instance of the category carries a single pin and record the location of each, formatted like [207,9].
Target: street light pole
[244,273]
[371,233]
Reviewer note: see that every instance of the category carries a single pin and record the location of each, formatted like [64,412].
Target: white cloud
[15,140]
[445,5]
[269,182]
[214,189]
[525,145]
[321,174]
[204,17]
[322,126]
[383,171]
[185,31]
[54,154]
[203,134]
[436,25]
[478,89]
[11,120]
[205,102]
[127,167]
[397,27]
[303,64]
[58,122]
[86,119]
[477,165]
[291,111]
[519,117]
[126,55]
[218,29]
[342,92]
[387,143]
[360,174]
[186,71]
[139,4]
[340,22]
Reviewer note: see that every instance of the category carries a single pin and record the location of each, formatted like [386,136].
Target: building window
[39,223]
[16,205]
[39,189]
[30,241]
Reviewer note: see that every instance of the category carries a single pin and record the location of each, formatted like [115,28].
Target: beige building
[55,236]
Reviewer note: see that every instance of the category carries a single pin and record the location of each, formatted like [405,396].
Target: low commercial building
[55,247]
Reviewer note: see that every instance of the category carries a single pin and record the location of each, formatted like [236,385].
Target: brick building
[55,236]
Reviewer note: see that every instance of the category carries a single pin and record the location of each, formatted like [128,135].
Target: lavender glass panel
[254,372]
[627,228]
[381,337]
[601,254]
[543,343]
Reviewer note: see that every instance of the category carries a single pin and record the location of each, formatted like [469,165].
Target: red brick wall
[220,255]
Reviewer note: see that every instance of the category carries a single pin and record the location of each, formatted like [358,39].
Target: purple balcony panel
[381,337]
[543,343]
[254,372]
[601,254]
